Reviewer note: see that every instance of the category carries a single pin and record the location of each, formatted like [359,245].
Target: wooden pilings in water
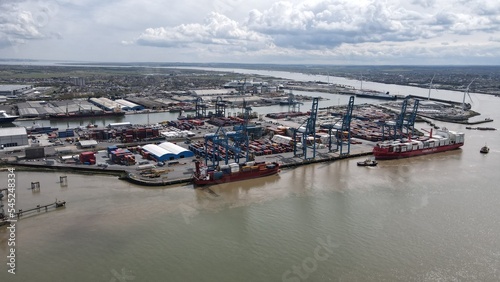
[35,185]
[63,180]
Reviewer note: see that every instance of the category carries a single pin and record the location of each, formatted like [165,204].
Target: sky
[345,32]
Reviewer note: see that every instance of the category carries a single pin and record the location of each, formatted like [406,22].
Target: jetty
[38,208]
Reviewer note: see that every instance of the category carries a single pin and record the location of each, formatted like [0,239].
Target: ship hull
[384,154]
[87,115]
[236,176]
[7,119]
[380,97]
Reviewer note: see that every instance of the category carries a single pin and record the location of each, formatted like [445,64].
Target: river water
[428,218]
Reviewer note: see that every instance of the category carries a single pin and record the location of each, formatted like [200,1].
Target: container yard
[139,153]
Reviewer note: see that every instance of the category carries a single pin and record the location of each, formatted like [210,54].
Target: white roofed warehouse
[13,136]
[129,106]
[158,153]
[180,152]
[106,104]
[167,151]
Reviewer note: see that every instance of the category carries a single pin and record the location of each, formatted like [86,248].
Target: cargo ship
[76,115]
[442,140]
[376,95]
[233,172]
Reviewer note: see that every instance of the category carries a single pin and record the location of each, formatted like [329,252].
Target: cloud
[327,24]
[217,29]
[424,3]
[16,25]
[254,31]
[21,21]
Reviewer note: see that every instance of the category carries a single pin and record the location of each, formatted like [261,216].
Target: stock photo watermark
[11,215]
[302,271]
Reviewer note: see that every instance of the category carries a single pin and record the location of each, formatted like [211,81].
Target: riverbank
[286,161]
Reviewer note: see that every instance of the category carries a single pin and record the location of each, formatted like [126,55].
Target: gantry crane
[230,143]
[220,107]
[344,128]
[307,131]
[200,108]
[410,123]
[396,129]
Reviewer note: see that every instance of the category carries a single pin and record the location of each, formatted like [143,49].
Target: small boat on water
[484,150]
[368,162]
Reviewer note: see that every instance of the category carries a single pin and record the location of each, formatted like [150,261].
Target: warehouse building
[158,153]
[13,136]
[105,104]
[180,152]
[12,90]
[129,106]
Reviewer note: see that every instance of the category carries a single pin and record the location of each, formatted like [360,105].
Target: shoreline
[285,163]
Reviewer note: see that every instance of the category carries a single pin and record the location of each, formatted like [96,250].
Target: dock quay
[134,154]
[182,174]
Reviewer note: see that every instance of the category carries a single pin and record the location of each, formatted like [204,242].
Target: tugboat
[484,150]
[368,162]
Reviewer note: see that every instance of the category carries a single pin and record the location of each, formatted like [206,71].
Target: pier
[56,204]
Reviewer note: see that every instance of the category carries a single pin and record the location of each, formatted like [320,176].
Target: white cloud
[17,25]
[255,31]
[217,29]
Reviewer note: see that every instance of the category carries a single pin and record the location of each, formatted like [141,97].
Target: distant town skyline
[365,32]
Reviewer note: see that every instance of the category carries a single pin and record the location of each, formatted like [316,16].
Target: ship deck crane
[309,130]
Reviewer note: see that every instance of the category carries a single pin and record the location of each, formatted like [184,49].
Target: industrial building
[84,144]
[110,105]
[105,103]
[167,151]
[34,109]
[13,136]
[158,153]
[129,106]
[179,151]
[11,90]
[212,92]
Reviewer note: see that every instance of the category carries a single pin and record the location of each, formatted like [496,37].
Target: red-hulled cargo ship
[233,172]
[442,140]
[76,115]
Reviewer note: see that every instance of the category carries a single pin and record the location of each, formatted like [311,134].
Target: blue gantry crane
[410,123]
[395,128]
[345,128]
[306,130]
[228,145]
[402,125]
